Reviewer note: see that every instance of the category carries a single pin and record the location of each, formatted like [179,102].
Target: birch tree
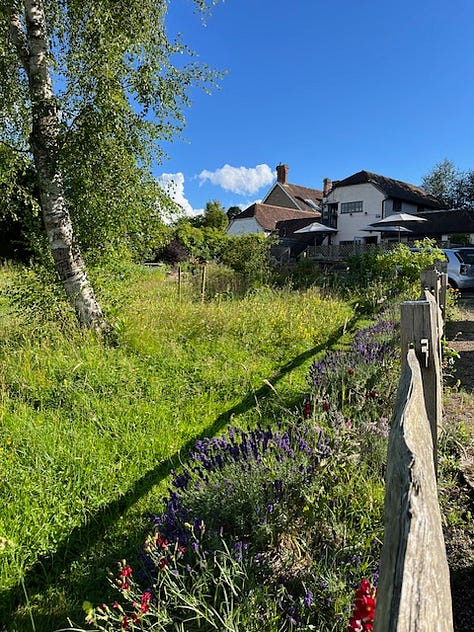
[86,83]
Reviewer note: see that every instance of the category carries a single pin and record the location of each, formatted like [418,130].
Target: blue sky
[328,87]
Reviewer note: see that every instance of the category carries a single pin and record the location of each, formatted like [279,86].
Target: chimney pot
[327,184]
[282,173]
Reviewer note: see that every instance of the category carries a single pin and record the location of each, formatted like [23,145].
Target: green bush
[249,255]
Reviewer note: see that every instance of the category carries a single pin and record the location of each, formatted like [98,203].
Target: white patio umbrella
[399,218]
[387,229]
[316,227]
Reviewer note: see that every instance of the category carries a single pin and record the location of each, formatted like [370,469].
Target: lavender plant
[257,533]
[361,381]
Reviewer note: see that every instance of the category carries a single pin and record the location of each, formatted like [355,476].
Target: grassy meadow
[89,432]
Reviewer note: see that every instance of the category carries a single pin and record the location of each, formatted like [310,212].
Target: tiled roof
[290,225]
[392,188]
[444,223]
[302,194]
[267,215]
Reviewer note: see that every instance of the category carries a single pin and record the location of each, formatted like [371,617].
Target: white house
[351,204]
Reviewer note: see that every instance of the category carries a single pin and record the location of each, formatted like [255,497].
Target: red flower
[351,371]
[307,410]
[326,406]
[161,541]
[362,619]
[163,562]
[125,621]
[126,571]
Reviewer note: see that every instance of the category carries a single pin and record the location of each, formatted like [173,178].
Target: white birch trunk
[32,45]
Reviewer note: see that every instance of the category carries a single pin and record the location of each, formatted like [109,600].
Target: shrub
[249,255]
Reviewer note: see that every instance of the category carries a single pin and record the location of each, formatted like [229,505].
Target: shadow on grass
[49,569]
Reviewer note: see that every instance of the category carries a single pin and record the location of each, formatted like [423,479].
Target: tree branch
[16,149]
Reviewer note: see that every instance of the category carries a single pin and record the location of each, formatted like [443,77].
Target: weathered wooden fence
[414,590]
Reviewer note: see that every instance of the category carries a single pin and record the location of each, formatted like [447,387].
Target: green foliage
[376,276]
[88,430]
[21,226]
[250,255]
[215,216]
[202,244]
[453,187]
[122,84]
[406,264]
[233,211]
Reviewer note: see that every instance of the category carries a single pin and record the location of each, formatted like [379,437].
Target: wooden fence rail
[414,590]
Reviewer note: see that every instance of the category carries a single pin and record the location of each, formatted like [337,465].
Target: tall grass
[89,431]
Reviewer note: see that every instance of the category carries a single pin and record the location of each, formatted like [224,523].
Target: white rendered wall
[242,226]
[349,225]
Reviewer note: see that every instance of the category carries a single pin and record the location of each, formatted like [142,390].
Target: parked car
[460,267]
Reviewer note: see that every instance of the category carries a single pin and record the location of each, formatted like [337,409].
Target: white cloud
[240,180]
[173,184]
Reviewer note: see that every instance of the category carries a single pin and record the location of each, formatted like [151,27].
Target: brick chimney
[282,173]
[327,184]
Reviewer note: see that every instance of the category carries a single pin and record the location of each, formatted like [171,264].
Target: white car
[460,267]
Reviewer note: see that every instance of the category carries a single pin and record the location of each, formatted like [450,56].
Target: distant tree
[453,187]
[233,211]
[215,216]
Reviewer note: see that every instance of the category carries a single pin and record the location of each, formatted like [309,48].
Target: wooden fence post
[436,282]
[419,330]
[414,591]
[203,282]
[180,280]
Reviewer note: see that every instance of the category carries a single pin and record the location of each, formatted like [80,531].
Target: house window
[397,206]
[352,207]
[332,215]
[329,217]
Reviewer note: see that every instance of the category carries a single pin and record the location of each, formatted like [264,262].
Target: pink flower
[161,541]
[126,571]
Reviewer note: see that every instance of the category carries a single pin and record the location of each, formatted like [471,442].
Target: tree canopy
[453,187]
[90,90]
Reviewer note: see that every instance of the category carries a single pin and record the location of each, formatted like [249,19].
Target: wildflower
[125,621]
[362,619]
[308,599]
[350,372]
[126,571]
[145,602]
[162,563]
[161,542]
[326,406]
[307,410]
